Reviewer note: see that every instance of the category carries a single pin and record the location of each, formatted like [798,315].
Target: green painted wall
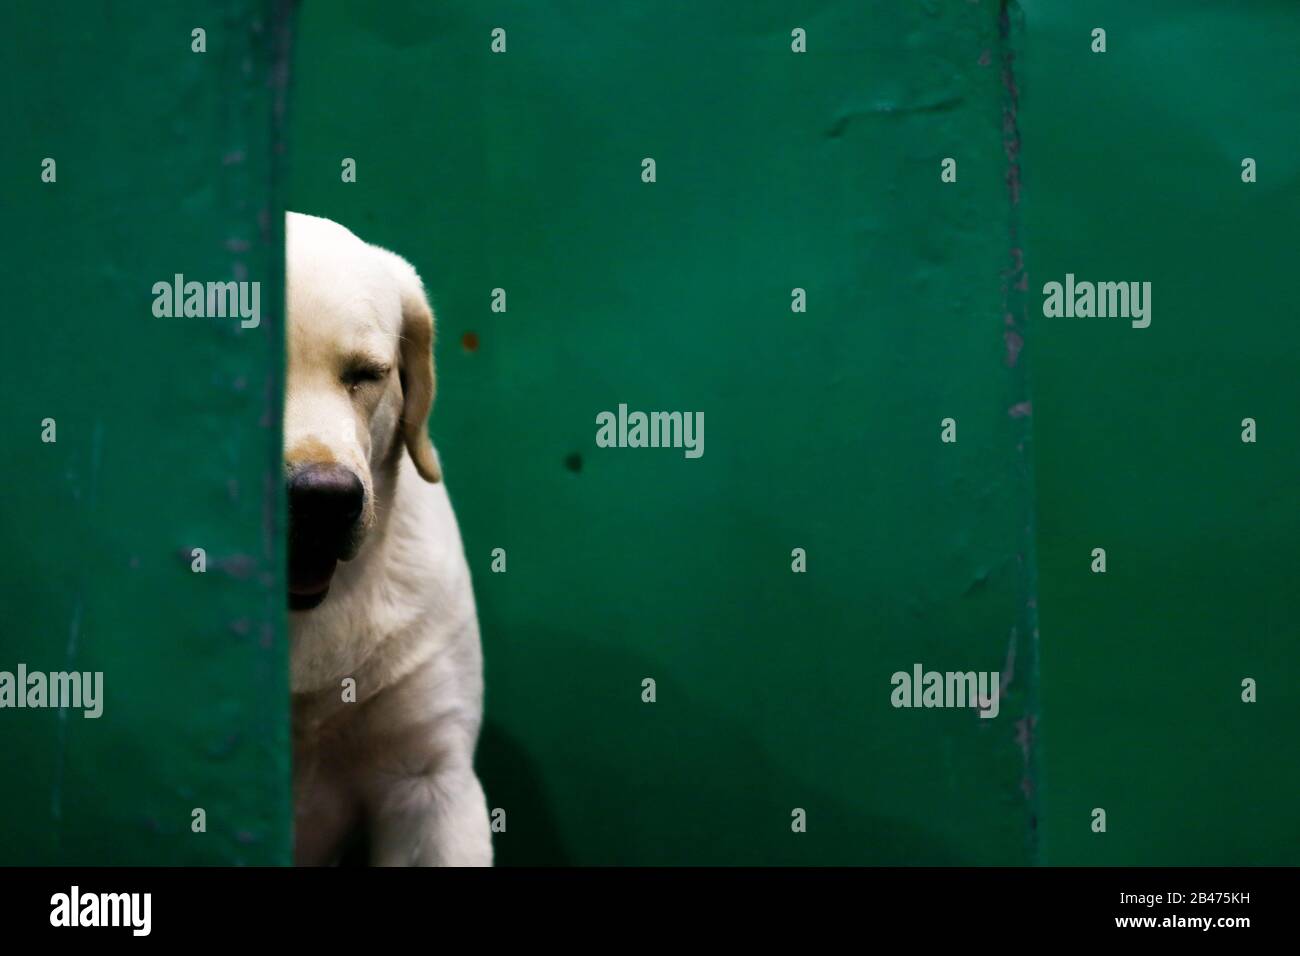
[1133,171]
[776,170]
[167,437]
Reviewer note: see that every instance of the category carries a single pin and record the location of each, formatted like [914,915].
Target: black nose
[324,504]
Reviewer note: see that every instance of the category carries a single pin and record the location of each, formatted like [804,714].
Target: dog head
[359,389]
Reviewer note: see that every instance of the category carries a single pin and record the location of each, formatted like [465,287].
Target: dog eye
[359,375]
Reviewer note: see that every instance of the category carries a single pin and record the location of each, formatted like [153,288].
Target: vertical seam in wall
[1015,289]
[275,629]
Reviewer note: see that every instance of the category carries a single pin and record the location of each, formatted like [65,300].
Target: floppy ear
[416,368]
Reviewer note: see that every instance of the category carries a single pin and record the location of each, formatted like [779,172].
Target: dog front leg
[436,820]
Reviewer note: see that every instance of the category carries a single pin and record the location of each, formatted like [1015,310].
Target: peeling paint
[1009,665]
[936,105]
[1014,344]
[1025,728]
[1014,335]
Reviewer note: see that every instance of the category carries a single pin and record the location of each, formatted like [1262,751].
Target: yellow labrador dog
[386,668]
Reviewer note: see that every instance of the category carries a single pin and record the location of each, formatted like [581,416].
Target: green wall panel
[168,435]
[1133,172]
[775,170]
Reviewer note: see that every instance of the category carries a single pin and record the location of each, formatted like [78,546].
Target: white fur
[399,618]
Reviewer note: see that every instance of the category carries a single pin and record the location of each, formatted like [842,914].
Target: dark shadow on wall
[513,779]
[609,796]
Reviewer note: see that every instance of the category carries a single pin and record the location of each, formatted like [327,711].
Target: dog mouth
[309,578]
